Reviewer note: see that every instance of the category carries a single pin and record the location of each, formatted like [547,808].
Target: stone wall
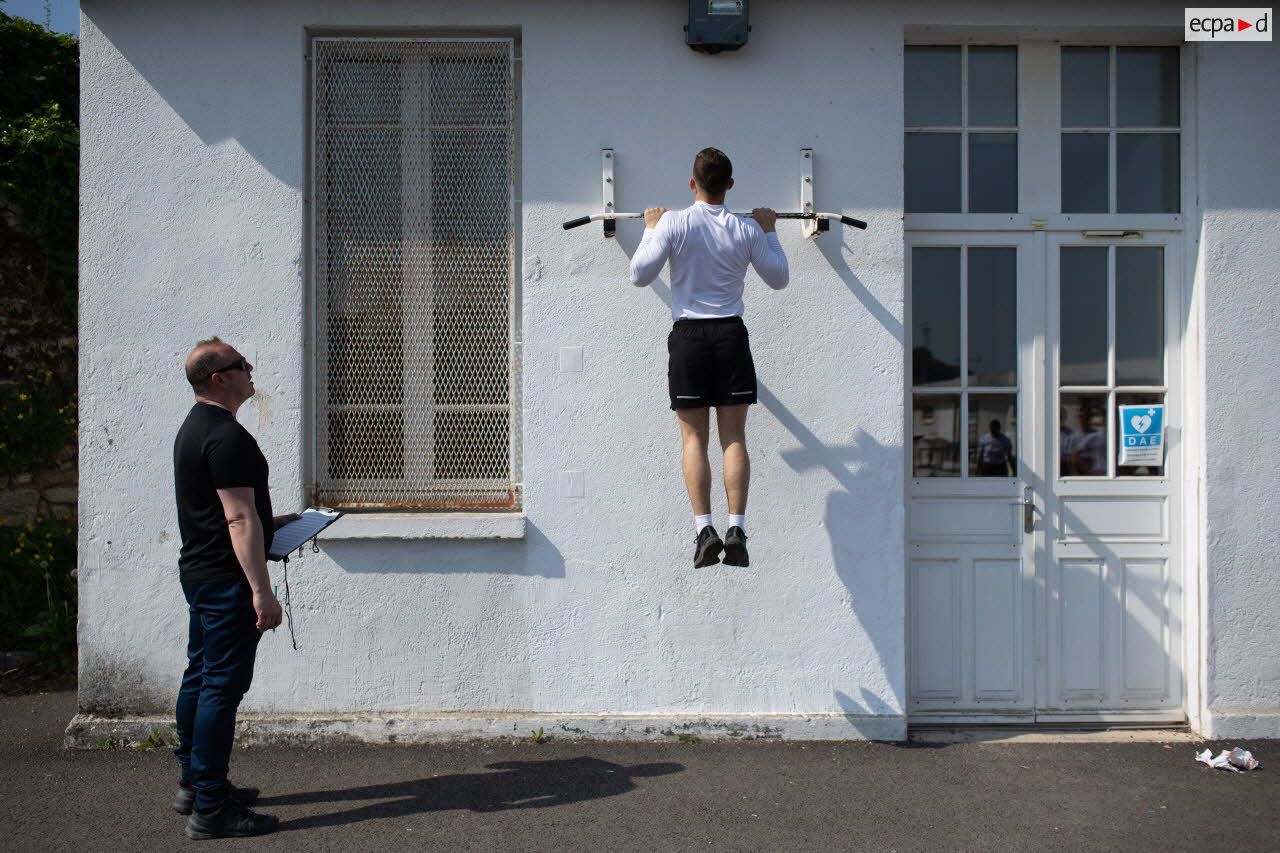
[47,493]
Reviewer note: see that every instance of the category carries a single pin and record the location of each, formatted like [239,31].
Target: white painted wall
[193,224]
[1238,269]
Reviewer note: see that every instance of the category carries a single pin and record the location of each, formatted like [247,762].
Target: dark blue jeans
[221,647]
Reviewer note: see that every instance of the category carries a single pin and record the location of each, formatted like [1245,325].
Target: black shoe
[707,550]
[185,800]
[231,821]
[735,547]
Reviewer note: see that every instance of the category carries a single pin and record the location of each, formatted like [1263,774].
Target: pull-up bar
[815,221]
[819,216]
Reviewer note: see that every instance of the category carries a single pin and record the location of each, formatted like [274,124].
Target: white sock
[738,521]
[701,521]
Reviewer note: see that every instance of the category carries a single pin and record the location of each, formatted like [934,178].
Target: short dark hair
[200,365]
[712,171]
[995,426]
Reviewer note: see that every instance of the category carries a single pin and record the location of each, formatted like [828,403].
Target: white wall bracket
[809,227]
[606,184]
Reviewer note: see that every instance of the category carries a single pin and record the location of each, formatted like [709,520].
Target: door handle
[1028,510]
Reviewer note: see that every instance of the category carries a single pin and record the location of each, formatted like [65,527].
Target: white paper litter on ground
[1235,760]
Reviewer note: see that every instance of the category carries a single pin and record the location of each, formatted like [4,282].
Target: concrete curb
[90,732]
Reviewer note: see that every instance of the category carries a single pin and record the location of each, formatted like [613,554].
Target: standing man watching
[224,516]
[710,362]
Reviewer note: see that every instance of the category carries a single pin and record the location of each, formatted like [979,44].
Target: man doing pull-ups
[710,363]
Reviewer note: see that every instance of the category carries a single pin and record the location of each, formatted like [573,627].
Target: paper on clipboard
[294,534]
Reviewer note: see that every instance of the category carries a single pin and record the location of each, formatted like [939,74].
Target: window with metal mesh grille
[413,171]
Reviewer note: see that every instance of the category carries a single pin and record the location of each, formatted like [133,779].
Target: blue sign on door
[1142,435]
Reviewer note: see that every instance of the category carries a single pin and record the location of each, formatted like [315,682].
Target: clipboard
[298,532]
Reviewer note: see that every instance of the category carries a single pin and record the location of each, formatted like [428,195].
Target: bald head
[207,357]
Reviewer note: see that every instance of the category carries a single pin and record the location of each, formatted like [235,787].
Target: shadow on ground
[512,785]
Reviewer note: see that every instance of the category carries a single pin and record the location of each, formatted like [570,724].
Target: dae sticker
[1142,435]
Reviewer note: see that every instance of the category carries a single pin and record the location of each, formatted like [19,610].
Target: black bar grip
[574,223]
[847,220]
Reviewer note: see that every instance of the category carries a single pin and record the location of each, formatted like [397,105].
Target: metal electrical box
[716,25]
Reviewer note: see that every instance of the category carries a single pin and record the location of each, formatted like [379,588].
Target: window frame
[965,129]
[457,521]
[1040,137]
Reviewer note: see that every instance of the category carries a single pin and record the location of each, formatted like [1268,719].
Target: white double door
[1047,589]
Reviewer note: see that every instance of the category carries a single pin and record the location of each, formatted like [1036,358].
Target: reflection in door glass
[993,316]
[1139,470]
[1082,435]
[935,315]
[1083,300]
[1139,315]
[993,435]
[935,435]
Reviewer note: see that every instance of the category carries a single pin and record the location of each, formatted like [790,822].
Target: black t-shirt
[214,452]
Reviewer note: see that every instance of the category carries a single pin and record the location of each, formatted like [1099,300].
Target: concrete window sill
[410,526]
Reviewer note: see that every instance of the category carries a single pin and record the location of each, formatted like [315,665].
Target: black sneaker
[184,801]
[231,821]
[735,547]
[707,550]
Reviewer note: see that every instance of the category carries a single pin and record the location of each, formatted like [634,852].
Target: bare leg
[731,423]
[694,426]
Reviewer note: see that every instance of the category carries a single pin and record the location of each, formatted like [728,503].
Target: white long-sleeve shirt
[709,249]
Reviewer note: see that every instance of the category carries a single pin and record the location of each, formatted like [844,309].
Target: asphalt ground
[580,795]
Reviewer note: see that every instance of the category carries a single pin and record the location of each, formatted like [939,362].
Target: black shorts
[710,364]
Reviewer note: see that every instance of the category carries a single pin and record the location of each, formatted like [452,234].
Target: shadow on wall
[219,94]
[513,785]
[535,555]
[834,252]
[856,518]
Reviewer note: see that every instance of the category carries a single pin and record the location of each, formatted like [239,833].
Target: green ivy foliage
[39,176]
[37,418]
[39,161]
[38,591]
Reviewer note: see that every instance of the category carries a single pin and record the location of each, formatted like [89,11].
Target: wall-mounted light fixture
[716,25]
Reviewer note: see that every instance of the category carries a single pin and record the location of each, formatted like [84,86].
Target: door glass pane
[993,316]
[935,315]
[1137,470]
[1086,91]
[932,172]
[1147,172]
[993,87]
[1085,173]
[993,435]
[932,85]
[1139,315]
[1147,87]
[993,173]
[1082,435]
[1082,356]
[935,435]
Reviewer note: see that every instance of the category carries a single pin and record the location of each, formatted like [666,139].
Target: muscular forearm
[246,540]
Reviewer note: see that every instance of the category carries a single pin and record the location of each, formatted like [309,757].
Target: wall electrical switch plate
[573,484]
[570,359]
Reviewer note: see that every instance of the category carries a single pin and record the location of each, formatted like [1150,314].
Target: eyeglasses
[241,363]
